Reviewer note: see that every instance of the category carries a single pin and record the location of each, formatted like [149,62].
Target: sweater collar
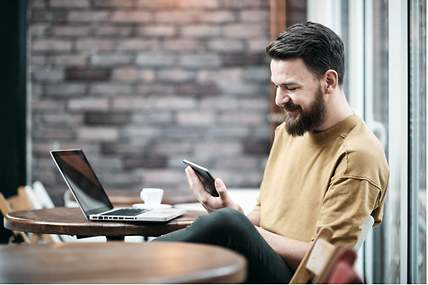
[342,128]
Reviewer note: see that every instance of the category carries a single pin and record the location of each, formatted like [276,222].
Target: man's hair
[318,46]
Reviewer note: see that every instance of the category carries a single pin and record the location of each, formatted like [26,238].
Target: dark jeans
[231,229]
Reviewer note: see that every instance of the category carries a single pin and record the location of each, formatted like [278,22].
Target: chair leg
[19,237]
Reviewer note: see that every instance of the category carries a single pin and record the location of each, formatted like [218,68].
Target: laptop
[91,197]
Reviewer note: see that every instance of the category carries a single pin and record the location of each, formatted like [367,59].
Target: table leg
[79,236]
[115,238]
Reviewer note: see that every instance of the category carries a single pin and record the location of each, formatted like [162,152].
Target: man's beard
[305,121]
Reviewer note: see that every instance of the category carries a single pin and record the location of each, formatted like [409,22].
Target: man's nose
[281,98]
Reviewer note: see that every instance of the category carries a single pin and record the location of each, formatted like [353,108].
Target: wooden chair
[5,209]
[21,202]
[316,259]
[321,259]
[42,195]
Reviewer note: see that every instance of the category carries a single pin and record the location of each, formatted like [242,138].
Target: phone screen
[205,176]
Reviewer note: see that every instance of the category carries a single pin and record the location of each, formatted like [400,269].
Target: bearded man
[325,168]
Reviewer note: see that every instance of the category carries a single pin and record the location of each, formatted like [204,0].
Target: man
[325,167]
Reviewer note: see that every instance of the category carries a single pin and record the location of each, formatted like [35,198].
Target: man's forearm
[292,251]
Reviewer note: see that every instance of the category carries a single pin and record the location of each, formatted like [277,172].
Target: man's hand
[209,202]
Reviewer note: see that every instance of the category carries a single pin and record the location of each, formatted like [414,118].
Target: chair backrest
[367,227]
[6,207]
[315,259]
[20,201]
[324,263]
[319,257]
[32,198]
[24,200]
[42,195]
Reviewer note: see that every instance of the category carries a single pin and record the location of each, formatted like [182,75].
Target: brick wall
[140,85]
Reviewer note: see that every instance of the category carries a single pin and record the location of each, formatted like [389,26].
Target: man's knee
[229,215]
[225,219]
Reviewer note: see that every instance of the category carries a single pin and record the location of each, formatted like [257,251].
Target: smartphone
[205,176]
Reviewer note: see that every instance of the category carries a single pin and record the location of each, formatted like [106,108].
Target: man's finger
[221,189]
[188,176]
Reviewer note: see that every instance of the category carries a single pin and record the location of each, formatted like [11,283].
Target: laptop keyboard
[125,212]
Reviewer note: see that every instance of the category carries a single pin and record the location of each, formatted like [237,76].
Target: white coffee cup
[152,197]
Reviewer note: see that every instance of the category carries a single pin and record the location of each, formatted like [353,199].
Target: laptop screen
[82,181]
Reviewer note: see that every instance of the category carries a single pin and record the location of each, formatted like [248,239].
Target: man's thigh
[231,229]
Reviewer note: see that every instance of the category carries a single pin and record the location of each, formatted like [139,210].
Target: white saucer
[144,206]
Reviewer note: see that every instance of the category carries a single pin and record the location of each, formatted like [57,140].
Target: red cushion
[343,271]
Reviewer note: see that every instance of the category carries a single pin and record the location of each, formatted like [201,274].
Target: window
[385,84]
[417,136]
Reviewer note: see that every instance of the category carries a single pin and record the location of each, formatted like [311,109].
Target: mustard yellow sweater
[333,178]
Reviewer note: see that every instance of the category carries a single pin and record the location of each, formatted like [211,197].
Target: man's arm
[291,250]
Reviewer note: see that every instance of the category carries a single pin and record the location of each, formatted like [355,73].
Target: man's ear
[331,81]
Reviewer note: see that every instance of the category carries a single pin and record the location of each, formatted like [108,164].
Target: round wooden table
[117,262]
[71,221]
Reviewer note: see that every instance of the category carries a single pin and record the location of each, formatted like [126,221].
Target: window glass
[417,136]
[376,97]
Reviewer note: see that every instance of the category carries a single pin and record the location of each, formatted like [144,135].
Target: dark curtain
[13,33]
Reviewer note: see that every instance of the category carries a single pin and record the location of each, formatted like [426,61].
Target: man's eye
[285,87]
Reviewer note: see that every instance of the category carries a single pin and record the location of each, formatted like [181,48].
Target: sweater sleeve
[346,204]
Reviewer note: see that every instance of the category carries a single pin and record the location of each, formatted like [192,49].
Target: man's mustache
[290,106]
